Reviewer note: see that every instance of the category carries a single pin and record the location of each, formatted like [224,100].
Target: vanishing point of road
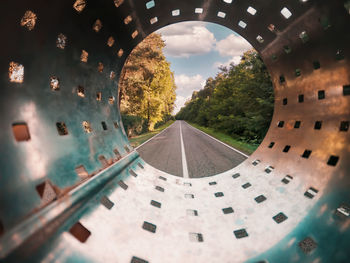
[185,151]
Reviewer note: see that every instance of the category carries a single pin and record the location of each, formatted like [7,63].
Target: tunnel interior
[73,189]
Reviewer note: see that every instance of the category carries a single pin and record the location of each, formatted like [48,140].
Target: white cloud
[187,39]
[235,60]
[185,86]
[232,46]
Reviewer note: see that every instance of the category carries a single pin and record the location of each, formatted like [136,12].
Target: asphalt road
[196,155]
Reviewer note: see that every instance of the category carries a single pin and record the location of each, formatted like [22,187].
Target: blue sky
[196,50]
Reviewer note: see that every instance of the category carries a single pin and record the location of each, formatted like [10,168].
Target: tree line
[238,101]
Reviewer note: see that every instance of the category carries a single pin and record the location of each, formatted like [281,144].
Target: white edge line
[154,136]
[183,156]
[228,146]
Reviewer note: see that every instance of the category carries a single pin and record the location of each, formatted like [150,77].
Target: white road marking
[228,146]
[154,136]
[183,155]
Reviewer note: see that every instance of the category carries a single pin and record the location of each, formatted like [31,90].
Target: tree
[147,86]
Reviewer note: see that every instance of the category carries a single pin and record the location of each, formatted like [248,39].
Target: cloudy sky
[196,50]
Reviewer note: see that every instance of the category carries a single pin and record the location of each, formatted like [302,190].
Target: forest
[238,101]
[146,88]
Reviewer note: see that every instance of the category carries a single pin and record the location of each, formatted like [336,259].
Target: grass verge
[239,145]
[138,140]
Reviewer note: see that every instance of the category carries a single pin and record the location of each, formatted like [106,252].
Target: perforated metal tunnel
[72,188]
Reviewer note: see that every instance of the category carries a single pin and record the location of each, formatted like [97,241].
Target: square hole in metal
[79,5]
[97,25]
[132,172]
[162,178]
[54,83]
[219,194]
[227,210]
[81,91]
[272,28]
[318,125]
[260,199]
[107,202]
[260,39]
[135,34]
[280,124]
[339,55]
[80,232]
[198,10]
[316,64]
[282,79]
[149,227]
[271,144]
[346,90]
[301,98]
[46,192]
[286,13]
[187,184]
[84,56]
[117,154]
[212,183]
[104,126]
[103,161]
[127,19]
[126,148]
[298,72]
[246,185]
[138,260]
[21,132]
[306,154]
[285,101]
[28,20]
[196,237]
[98,96]
[279,218]
[221,14]
[175,12]
[287,179]
[307,245]
[256,162]
[123,185]
[87,126]
[236,175]
[160,189]
[61,128]
[140,165]
[118,3]
[251,10]
[324,21]
[110,41]
[343,212]
[61,41]
[150,4]
[120,53]
[311,192]
[269,169]
[344,126]
[156,204]
[81,172]
[297,124]
[228,1]
[321,94]
[153,20]
[333,160]
[304,37]
[240,233]
[189,196]
[242,24]
[286,148]
[287,49]
[16,72]
[191,212]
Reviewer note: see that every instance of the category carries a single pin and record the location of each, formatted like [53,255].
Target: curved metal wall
[72,189]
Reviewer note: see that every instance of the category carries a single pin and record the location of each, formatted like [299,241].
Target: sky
[195,51]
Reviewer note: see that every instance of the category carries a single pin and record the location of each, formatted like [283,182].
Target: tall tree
[147,87]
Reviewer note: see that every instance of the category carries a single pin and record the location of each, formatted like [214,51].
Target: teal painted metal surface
[43,194]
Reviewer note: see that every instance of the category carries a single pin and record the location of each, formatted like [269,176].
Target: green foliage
[238,102]
[147,86]
[134,125]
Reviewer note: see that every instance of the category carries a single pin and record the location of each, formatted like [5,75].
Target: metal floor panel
[73,190]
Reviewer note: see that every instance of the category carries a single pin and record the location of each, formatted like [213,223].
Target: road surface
[184,151]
